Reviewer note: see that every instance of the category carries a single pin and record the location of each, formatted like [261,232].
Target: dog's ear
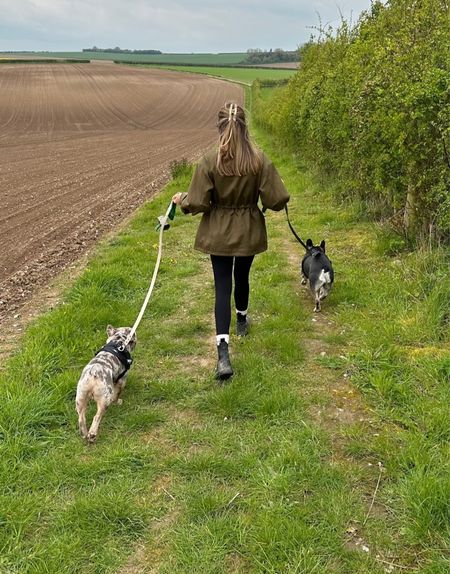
[322,245]
[309,243]
[110,330]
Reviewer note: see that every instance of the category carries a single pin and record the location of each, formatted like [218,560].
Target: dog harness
[121,353]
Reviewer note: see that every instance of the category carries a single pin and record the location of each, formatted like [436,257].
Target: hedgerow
[369,107]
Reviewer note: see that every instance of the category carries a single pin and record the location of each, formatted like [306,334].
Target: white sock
[242,312]
[225,338]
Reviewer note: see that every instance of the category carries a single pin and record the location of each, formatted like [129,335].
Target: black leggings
[223,271]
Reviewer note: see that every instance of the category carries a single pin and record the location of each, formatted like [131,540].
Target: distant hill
[253,57]
[172,58]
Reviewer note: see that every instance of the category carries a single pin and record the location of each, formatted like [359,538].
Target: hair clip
[232,111]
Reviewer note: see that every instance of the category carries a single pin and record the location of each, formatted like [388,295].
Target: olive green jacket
[232,223]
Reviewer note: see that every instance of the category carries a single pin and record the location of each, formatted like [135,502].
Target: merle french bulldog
[317,268]
[103,378]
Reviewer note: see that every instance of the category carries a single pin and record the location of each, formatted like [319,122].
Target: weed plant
[180,168]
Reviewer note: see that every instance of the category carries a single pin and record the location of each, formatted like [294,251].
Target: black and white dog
[317,269]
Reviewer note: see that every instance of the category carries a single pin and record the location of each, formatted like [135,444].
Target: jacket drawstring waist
[221,206]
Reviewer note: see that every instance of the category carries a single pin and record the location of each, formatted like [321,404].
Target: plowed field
[81,146]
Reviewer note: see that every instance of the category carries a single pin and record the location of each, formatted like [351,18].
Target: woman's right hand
[177,198]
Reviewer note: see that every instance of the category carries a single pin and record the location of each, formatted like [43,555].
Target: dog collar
[122,354]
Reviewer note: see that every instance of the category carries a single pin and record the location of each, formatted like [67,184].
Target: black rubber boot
[224,370]
[242,325]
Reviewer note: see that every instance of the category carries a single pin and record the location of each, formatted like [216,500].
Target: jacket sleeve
[272,190]
[198,197]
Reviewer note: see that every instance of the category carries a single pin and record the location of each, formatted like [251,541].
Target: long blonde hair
[236,154]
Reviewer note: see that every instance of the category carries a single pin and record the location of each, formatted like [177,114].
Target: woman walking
[225,188]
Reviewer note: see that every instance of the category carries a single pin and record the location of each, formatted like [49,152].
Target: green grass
[266,93]
[258,476]
[244,75]
[225,58]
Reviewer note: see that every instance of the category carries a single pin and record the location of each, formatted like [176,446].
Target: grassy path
[273,473]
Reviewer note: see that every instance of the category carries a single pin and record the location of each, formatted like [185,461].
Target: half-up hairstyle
[236,154]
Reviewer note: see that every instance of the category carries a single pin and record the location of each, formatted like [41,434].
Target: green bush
[369,107]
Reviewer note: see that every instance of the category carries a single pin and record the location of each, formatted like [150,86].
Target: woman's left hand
[177,198]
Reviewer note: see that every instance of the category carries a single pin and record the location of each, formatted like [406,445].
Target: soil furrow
[82,147]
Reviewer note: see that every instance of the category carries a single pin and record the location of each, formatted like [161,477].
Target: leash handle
[173,208]
[162,219]
[293,230]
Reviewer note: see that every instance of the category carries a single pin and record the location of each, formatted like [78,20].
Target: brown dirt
[82,147]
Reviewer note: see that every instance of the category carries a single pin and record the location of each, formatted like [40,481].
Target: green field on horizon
[221,58]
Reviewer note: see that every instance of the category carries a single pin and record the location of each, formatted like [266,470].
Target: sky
[169,25]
